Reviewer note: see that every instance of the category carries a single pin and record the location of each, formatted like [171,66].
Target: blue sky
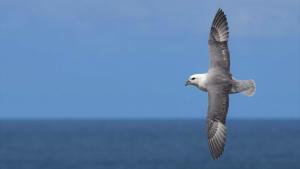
[130,58]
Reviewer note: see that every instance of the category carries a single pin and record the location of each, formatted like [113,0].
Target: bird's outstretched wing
[218,103]
[217,43]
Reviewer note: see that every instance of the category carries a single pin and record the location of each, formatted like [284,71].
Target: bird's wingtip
[216,139]
[220,10]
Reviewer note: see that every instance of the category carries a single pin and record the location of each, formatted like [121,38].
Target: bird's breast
[202,88]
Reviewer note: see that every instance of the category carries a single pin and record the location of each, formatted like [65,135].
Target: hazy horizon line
[137,118]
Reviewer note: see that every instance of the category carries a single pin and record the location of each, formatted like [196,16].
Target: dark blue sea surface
[146,144]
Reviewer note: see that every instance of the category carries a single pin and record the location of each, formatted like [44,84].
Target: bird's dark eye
[193,78]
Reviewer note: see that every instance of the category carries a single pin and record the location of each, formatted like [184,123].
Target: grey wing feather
[216,119]
[218,47]
[216,138]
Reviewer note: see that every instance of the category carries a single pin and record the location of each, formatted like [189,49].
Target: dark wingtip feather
[219,28]
[217,139]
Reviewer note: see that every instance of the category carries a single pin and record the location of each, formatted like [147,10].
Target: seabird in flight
[219,83]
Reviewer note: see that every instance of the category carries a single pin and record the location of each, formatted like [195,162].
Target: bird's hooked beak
[187,83]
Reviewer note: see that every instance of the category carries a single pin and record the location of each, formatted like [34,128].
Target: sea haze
[146,144]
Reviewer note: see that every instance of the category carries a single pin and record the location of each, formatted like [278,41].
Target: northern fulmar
[219,83]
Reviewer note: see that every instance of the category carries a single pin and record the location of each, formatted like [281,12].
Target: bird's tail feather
[247,87]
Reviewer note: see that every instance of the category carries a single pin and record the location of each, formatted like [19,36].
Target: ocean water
[146,144]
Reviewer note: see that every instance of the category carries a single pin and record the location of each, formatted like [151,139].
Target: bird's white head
[198,80]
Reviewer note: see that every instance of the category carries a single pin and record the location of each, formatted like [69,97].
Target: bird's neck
[202,81]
